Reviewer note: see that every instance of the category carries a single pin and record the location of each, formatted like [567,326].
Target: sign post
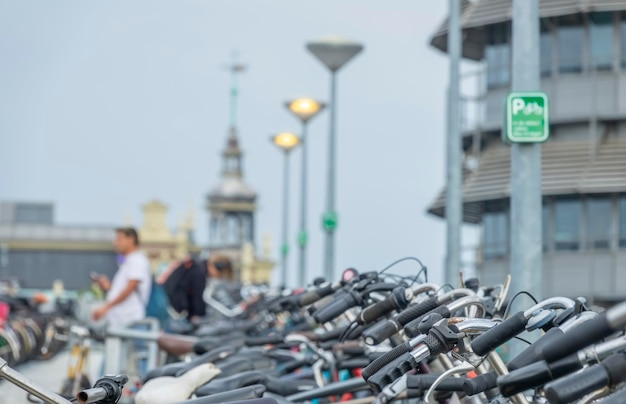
[527,126]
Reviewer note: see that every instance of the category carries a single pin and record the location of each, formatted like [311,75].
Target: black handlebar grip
[425,382]
[386,375]
[387,358]
[499,334]
[480,383]
[415,311]
[578,338]
[377,310]
[533,352]
[268,340]
[314,295]
[380,332]
[569,389]
[611,372]
[536,374]
[412,329]
[335,309]
[332,334]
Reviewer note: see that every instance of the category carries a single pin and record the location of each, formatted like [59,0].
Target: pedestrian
[223,292]
[185,287]
[128,293]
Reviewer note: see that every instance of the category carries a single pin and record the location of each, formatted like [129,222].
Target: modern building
[583,71]
[35,250]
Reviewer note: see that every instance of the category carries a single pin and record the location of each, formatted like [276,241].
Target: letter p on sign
[518,105]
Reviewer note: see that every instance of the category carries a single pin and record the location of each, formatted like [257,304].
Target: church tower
[232,203]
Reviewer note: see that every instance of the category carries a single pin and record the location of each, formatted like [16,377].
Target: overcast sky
[105,105]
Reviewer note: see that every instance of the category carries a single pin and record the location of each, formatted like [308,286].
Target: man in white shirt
[128,293]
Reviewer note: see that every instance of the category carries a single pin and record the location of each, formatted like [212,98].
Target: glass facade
[599,214]
[498,55]
[546,48]
[571,37]
[622,32]
[567,214]
[545,225]
[495,234]
[562,225]
[601,40]
[567,44]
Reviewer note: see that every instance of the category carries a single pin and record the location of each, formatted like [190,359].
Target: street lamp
[286,141]
[304,109]
[334,52]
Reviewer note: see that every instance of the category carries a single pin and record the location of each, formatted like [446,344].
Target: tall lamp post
[304,109]
[334,52]
[286,141]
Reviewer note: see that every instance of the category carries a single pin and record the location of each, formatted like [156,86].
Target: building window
[567,214]
[545,225]
[498,55]
[571,34]
[622,221]
[546,47]
[33,214]
[622,27]
[601,40]
[495,234]
[599,214]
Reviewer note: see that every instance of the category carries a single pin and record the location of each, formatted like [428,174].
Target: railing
[118,346]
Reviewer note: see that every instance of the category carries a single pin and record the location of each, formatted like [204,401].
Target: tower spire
[235,69]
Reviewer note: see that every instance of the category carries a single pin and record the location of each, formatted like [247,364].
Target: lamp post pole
[286,141]
[304,109]
[334,52]
[303,235]
[330,218]
[284,248]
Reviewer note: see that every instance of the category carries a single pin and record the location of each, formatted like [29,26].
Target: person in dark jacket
[185,287]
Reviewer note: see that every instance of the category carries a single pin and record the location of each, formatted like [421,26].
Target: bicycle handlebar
[610,372]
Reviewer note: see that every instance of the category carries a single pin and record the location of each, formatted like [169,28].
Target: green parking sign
[527,117]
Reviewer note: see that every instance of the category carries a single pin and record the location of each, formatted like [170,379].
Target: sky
[107,105]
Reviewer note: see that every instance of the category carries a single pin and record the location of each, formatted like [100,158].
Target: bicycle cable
[521,292]
[422,266]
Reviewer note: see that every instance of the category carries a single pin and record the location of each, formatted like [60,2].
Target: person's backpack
[176,294]
[158,304]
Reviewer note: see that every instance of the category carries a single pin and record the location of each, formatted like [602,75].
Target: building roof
[479,13]
[568,167]
[37,232]
[232,188]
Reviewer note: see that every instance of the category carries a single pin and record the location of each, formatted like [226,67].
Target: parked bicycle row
[377,337]
[26,333]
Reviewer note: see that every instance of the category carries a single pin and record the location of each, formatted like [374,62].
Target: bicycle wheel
[25,342]
[9,351]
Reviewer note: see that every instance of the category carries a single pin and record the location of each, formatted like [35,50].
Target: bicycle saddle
[244,393]
[239,364]
[176,345]
[180,368]
[226,328]
[205,344]
[166,389]
[273,384]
